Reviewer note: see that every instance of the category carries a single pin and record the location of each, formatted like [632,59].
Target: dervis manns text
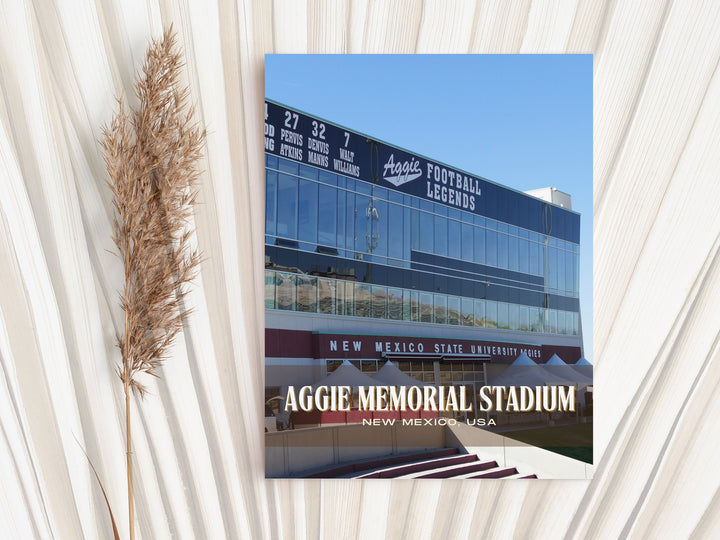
[431,398]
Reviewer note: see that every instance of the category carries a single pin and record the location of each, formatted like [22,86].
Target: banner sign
[299,137]
[363,346]
[311,141]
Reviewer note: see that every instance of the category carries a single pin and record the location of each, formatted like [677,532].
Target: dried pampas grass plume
[151,155]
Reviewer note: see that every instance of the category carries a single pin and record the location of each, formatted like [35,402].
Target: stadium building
[375,253]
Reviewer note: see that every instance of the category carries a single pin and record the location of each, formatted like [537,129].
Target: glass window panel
[514,253]
[479,312]
[576,325]
[524,318]
[569,273]
[491,257]
[491,314]
[453,310]
[441,230]
[441,309]
[407,237]
[415,232]
[396,231]
[362,226]
[306,294]
[379,302]
[468,243]
[502,316]
[341,218]
[454,238]
[308,211]
[407,306]
[327,216]
[363,187]
[286,294]
[287,206]
[350,223]
[479,237]
[535,251]
[415,305]
[467,312]
[551,325]
[269,290]
[503,259]
[576,272]
[288,166]
[327,178]
[523,256]
[271,179]
[561,269]
[380,227]
[426,307]
[368,366]
[350,298]
[326,296]
[536,319]
[560,322]
[552,266]
[427,227]
[363,296]
[395,304]
[310,173]
[332,365]
[340,304]
[272,161]
[514,317]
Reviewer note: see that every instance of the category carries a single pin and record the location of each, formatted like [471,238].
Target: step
[350,470]
[395,472]
[455,471]
[520,476]
[500,472]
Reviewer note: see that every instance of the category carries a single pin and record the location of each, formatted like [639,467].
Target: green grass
[574,441]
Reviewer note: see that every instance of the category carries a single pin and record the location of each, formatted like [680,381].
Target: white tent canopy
[557,371]
[583,362]
[523,371]
[347,375]
[523,360]
[585,369]
[391,375]
[555,360]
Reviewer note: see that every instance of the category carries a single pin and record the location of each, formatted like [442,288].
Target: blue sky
[524,121]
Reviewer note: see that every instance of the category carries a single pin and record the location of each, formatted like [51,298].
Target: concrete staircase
[441,463]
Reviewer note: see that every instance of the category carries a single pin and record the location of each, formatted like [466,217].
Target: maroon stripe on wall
[281,343]
[569,355]
[288,343]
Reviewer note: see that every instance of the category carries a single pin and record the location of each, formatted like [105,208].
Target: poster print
[422,321]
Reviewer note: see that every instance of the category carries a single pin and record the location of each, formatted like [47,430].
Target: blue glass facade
[350,247]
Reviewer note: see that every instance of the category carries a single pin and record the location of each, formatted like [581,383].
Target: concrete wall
[511,453]
[289,453]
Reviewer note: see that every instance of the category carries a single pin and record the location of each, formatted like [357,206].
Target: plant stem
[128,454]
[129,461]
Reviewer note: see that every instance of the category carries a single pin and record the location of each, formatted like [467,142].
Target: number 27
[291,117]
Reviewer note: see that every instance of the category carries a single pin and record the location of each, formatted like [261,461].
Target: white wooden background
[198,441]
